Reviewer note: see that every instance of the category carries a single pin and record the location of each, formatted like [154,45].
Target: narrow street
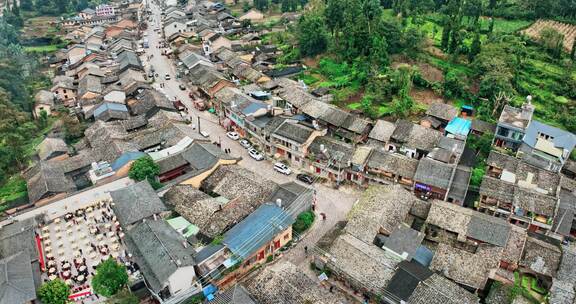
[335,203]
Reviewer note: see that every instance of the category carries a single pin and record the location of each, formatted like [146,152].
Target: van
[282,168]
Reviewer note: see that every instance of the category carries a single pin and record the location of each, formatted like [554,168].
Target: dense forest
[371,53]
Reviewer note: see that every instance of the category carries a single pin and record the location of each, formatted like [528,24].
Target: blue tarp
[459,126]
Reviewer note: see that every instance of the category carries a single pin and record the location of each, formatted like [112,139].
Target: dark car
[305,178]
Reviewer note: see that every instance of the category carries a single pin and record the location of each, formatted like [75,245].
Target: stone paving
[74,244]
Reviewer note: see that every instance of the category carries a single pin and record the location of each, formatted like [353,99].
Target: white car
[205,134]
[233,135]
[246,144]
[255,154]
[282,168]
[167,77]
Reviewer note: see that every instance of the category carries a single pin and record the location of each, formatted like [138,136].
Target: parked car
[205,134]
[167,77]
[282,168]
[182,87]
[305,178]
[245,143]
[255,154]
[233,135]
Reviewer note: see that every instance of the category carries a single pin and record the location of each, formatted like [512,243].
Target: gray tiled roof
[502,161]
[404,240]
[293,131]
[382,130]
[443,111]
[395,163]
[415,136]
[136,202]
[439,290]
[50,146]
[488,229]
[541,257]
[16,279]
[497,188]
[159,251]
[434,173]
[535,202]
[17,237]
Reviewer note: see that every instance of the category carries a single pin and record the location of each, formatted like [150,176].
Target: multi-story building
[103,10]
[512,126]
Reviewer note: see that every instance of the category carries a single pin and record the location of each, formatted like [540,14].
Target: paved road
[334,203]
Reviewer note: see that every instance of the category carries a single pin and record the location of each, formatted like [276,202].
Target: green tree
[475,48]
[110,277]
[27,5]
[261,5]
[43,119]
[54,292]
[334,16]
[73,129]
[144,168]
[312,34]
[573,50]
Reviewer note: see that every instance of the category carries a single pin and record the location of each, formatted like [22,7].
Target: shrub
[304,221]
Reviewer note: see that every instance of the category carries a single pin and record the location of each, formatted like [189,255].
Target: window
[502,132]
[545,136]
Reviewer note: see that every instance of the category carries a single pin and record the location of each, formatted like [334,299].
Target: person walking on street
[306,250]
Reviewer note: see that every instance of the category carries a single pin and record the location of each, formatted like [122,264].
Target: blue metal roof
[110,106]
[256,230]
[562,139]
[459,126]
[125,158]
[423,256]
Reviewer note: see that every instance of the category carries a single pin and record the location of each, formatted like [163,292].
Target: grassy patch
[13,192]
[14,188]
[44,48]
[447,65]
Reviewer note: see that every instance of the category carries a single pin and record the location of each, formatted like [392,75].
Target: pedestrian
[80,249]
[313,207]
[305,249]
[331,288]
[323,216]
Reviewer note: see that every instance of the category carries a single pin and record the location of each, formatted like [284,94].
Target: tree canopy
[54,292]
[143,168]
[110,277]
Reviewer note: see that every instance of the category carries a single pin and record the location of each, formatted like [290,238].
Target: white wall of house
[173,28]
[182,280]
